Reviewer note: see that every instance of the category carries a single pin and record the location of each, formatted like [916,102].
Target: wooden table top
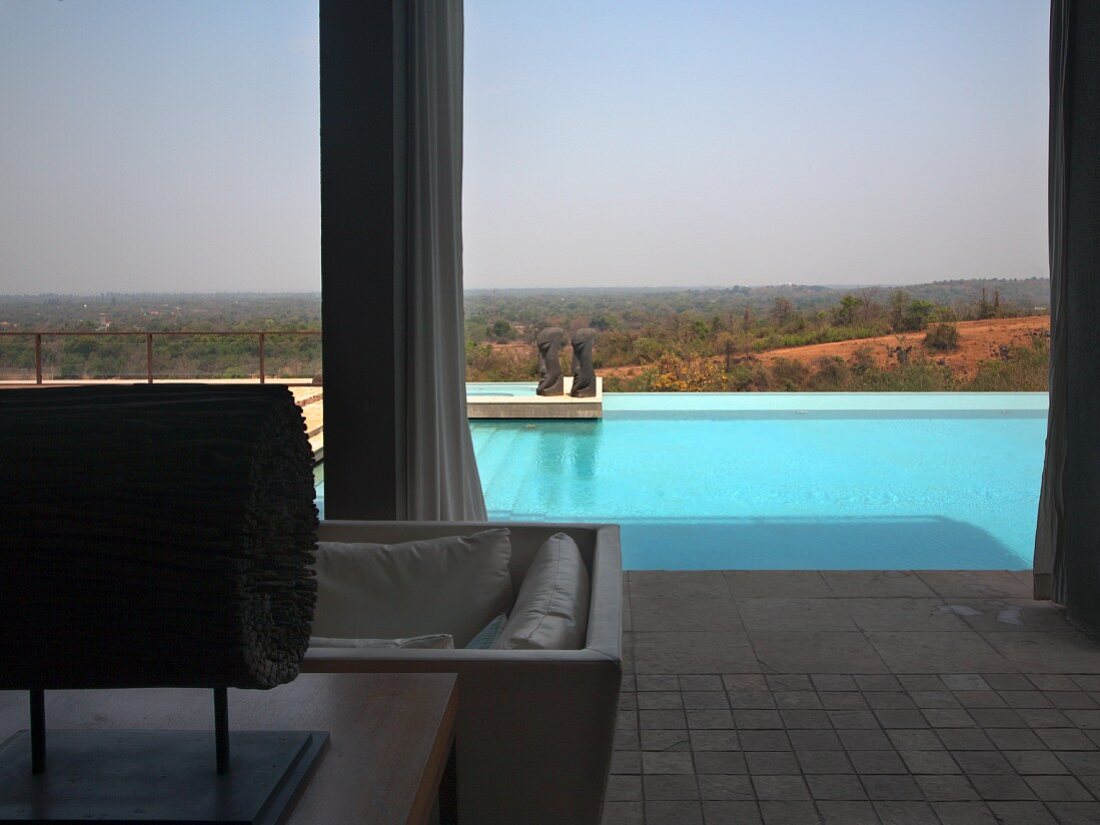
[390,734]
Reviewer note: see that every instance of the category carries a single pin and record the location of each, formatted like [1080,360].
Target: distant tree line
[677,338]
[651,328]
[93,355]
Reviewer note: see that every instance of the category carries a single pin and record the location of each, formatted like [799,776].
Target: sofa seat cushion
[454,585]
[432,641]
[551,610]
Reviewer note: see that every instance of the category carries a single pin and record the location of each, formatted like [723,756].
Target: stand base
[156,776]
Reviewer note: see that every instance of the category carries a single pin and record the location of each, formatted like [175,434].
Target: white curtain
[442,477]
[1049,570]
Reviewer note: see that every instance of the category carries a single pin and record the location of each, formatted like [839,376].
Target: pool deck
[312,402]
[850,697]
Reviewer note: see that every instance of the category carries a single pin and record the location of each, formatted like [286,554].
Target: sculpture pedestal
[510,404]
[156,776]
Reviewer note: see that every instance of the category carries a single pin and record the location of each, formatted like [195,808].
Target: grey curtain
[1049,564]
[442,477]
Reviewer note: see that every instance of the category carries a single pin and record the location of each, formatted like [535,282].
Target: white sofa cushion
[551,610]
[432,641]
[454,585]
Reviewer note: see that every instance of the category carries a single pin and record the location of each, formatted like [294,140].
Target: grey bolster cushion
[551,610]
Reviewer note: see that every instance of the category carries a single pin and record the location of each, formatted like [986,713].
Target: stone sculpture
[584,376]
[550,377]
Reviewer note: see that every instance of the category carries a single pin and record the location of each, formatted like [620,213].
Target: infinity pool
[784,480]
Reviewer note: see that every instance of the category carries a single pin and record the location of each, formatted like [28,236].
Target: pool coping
[484,405]
[828,402]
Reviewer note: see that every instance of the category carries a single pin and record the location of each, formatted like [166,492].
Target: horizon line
[668,288]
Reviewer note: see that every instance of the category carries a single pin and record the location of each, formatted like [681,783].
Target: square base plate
[156,776]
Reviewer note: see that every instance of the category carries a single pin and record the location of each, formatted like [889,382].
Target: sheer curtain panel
[1049,563]
[442,477]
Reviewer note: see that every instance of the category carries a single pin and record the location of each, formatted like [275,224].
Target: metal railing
[262,335]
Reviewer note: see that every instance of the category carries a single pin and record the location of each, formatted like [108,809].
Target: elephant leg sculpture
[550,377]
[584,376]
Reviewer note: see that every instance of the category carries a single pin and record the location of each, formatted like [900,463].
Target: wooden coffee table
[390,734]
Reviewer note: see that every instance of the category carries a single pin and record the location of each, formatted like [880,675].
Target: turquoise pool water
[784,480]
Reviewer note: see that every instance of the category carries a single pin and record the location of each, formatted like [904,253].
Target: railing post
[261,357]
[38,357]
[149,356]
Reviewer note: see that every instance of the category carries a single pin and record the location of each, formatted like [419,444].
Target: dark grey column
[1081,305]
[363,124]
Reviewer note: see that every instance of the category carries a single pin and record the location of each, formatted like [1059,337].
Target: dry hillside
[978,340]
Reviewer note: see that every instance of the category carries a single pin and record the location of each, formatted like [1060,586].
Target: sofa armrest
[534,731]
[330,659]
[605,609]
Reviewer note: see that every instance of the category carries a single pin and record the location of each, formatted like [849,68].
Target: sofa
[534,729]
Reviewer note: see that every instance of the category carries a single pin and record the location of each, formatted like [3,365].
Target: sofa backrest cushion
[526,539]
[452,584]
[551,610]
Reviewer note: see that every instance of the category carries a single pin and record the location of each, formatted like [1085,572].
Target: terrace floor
[946,698]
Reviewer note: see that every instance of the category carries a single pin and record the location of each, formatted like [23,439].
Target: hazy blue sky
[172,145]
[159,145]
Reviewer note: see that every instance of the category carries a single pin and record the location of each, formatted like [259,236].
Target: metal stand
[221,729]
[154,776]
[38,731]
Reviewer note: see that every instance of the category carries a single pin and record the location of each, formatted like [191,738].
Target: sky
[172,145]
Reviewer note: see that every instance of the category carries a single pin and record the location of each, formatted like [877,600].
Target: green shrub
[832,374]
[788,375]
[1024,370]
[916,376]
[862,360]
[907,314]
[747,377]
[824,335]
[501,330]
[942,338]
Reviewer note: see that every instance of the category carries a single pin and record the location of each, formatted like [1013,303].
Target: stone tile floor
[801,697]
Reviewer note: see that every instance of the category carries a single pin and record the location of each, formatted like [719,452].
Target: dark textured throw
[154,536]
